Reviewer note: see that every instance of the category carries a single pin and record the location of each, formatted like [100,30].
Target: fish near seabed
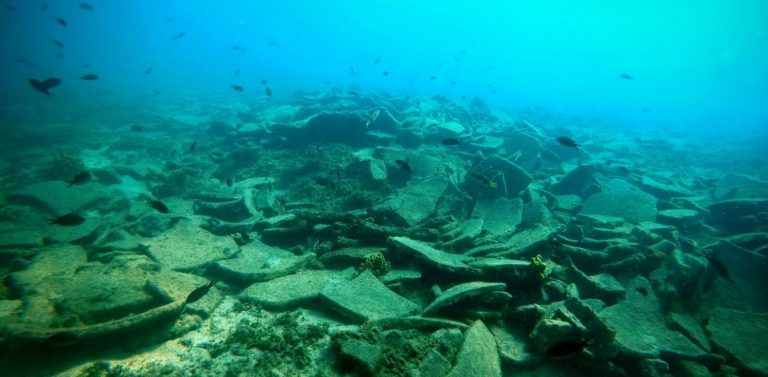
[45,85]
[567,142]
[159,206]
[200,292]
[70,219]
[79,179]
[404,165]
[451,141]
[89,77]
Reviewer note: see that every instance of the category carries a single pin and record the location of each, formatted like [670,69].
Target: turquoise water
[383,188]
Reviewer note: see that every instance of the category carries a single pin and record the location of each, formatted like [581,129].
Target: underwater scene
[384,188]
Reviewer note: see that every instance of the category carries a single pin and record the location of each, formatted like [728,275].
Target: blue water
[696,64]
[232,114]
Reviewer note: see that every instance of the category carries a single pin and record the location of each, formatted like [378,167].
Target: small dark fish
[718,266]
[322,181]
[433,78]
[86,6]
[138,128]
[451,141]
[158,205]
[236,47]
[404,165]
[45,85]
[385,73]
[645,110]
[230,181]
[148,71]
[44,7]
[61,22]
[79,179]
[353,93]
[626,76]
[31,65]
[263,82]
[69,219]
[237,72]
[237,88]
[10,8]
[377,61]
[199,292]
[178,36]
[487,182]
[57,43]
[268,91]
[568,142]
[568,348]
[90,77]
[193,146]
[60,56]
[271,43]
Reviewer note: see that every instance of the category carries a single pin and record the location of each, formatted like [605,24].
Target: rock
[601,286]
[463,235]
[739,335]
[413,204]
[500,267]
[65,294]
[55,199]
[513,348]
[487,142]
[350,256]
[378,169]
[360,356]
[50,270]
[329,128]
[499,215]
[258,262]
[452,128]
[640,326]
[739,186]
[679,218]
[568,203]
[461,292]
[418,323]
[432,365]
[289,291]
[366,298]
[579,181]
[747,287]
[664,190]
[478,355]
[524,244]
[524,143]
[400,276]
[632,206]
[187,247]
[229,211]
[688,326]
[740,215]
[20,239]
[510,179]
[432,256]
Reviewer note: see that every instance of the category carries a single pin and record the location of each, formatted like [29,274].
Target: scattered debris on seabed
[354,234]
